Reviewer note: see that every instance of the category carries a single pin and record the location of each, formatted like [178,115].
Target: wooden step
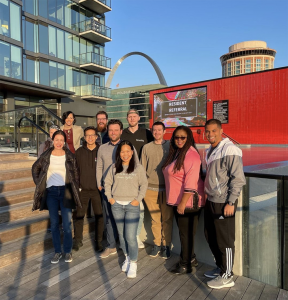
[24,227]
[14,174]
[16,184]
[13,197]
[33,244]
[17,164]
[13,156]
[17,212]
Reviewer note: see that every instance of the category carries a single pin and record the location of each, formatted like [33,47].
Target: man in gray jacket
[223,184]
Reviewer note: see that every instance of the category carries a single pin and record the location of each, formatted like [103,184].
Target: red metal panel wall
[258,106]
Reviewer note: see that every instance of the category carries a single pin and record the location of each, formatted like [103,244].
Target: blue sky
[187,37]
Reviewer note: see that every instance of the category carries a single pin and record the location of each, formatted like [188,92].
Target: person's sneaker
[140,243]
[194,262]
[56,258]
[220,282]
[68,257]
[132,272]
[77,245]
[180,270]
[212,273]
[126,264]
[155,251]
[107,252]
[165,253]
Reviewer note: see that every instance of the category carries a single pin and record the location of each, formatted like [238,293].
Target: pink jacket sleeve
[192,165]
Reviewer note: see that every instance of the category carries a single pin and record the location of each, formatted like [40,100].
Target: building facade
[52,52]
[247,57]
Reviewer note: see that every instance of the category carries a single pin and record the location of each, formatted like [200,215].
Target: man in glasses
[86,157]
[102,133]
[223,184]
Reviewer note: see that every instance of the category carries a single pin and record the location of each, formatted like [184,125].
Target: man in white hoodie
[223,185]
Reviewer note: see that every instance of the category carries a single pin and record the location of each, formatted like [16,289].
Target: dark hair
[102,112]
[118,163]
[90,128]
[115,121]
[179,154]
[213,121]
[59,132]
[65,116]
[159,123]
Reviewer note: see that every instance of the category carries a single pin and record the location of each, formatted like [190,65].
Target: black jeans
[78,216]
[220,235]
[187,225]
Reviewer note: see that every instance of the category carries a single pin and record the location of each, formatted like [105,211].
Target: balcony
[94,62]
[92,92]
[99,6]
[94,31]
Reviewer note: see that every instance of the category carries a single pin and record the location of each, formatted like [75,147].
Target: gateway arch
[152,62]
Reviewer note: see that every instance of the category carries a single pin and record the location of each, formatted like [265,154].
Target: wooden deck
[89,277]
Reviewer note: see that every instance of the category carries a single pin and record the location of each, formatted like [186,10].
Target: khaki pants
[161,216]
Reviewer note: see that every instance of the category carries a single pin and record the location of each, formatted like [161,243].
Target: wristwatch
[231,203]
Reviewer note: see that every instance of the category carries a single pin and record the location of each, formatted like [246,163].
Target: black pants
[78,216]
[187,225]
[220,235]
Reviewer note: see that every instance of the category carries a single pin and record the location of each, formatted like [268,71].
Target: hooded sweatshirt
[86,161]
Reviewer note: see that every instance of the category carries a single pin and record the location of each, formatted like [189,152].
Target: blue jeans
[111,229]
[127,219]
[141,219]
[55,196]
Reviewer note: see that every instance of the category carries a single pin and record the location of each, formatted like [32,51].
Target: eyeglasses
[182,138]
[89,136]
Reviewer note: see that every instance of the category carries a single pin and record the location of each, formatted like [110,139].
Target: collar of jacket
[219,147]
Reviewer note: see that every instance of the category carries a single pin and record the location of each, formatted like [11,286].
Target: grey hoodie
[224,174]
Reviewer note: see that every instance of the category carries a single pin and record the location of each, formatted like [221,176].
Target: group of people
[119,170]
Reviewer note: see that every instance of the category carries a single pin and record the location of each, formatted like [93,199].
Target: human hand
[134,203]
[100,188]
[111,201]
[181,208]
[229,210]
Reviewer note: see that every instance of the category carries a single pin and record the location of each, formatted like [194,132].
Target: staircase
[23,233]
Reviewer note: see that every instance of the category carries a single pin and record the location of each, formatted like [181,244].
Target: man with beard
[138,137]
[102,134]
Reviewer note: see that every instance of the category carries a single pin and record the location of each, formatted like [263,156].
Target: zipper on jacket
[218,186]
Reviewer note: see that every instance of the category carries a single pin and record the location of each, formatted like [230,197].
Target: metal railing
[106,2]
[93,58]
[92,90]
[92,24]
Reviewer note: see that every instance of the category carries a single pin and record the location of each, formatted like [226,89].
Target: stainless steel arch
[152,62]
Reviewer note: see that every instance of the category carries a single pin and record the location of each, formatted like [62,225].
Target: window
[4,18]
[43,39]
[248,66]
[52,41]
[69,78]
[61,76]
[31,41]
[68,46]
[43,8]
[60,12]
[30,6]
[229,69]
[258,64]
[67,11]
[32,66]
[53,73]
[60,44]
[15,17]
[75,49]
[44,72]
[4,59]
[52,10]
[237,67]
[266,64]
[16,62]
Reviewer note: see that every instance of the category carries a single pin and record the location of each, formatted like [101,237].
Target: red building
[256,111]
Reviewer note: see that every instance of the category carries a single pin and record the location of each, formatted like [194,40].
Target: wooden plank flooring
[89,277]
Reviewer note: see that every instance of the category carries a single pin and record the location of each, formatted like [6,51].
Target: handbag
[195,205]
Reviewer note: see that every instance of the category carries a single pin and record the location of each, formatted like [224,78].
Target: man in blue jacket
[223,185]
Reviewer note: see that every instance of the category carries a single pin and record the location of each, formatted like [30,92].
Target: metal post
[18,139]
[37,141]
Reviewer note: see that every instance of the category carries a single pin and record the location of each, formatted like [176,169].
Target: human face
[69,120]
[90,137]
[180,138]
[126,154]
[51,132]
[114,132]
[158,132]
[213,134]
[101,122]
[58,141]
[133,119]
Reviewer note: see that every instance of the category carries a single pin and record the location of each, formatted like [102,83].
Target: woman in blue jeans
[55,174]
[125,187]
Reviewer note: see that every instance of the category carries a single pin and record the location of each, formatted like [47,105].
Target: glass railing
[93,58]
[30,137]
[92,24]
[92,90]
[106,2]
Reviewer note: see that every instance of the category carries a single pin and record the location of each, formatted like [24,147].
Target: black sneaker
[155,251]
[56,258]
[77,245]
[194,262]
[166,253]
[68,257]
[180,270]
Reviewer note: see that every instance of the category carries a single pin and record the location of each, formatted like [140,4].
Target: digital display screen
[184,107]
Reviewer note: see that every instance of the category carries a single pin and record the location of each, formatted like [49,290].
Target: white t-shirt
[57,171]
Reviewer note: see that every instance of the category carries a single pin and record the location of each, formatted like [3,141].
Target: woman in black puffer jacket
[56,177]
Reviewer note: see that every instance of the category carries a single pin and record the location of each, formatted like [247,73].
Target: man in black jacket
[86,157]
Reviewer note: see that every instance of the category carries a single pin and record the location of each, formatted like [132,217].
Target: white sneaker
[140,244]
[126,264]
[132,272]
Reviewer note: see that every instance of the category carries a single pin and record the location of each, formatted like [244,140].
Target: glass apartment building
[247,57]
[52,52]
